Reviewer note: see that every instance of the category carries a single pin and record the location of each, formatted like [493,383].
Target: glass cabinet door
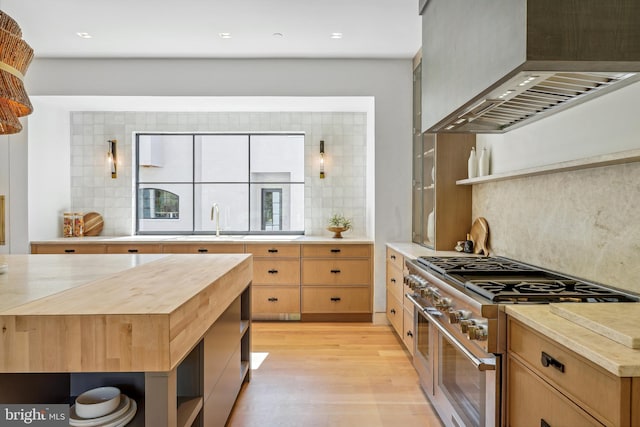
[428,189]
[417,190]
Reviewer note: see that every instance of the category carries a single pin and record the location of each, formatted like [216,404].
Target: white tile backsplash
[342,191]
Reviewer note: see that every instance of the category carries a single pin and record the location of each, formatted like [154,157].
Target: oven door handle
[481,364]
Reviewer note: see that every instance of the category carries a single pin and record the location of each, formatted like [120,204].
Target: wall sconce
[113,157]
[321,159]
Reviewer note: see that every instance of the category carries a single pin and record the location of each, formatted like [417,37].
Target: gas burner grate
[537,290]
[457,265]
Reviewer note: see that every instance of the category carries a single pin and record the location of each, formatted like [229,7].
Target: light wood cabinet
[441,209]
[538,363]
[276,280]
[336,282]
[203,248]
[134,248]
[399,308]
[71,248]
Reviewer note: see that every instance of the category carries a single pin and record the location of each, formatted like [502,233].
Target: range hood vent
[531,96]
[490,66]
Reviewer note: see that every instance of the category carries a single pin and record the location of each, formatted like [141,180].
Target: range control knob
[444,303]
[455,316]
[477,332]
[465,324]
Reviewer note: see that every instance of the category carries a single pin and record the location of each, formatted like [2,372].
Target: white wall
[388,81]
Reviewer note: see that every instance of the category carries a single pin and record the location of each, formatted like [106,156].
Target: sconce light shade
[113,157]
[321,159]
[15,57]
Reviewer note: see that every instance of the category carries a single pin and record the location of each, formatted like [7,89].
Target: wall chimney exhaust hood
[490,66]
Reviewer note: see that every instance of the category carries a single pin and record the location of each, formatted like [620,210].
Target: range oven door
[462,383]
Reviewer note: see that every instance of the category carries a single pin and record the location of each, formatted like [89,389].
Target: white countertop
[207,238]
[413,250]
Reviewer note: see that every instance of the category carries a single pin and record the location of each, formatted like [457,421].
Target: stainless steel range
[461,327]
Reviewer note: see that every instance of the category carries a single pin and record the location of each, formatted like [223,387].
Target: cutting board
[616,321]
[480,234]
[93,224]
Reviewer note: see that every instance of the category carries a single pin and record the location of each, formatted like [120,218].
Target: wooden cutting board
[480,235]
[616,321]
[93,223]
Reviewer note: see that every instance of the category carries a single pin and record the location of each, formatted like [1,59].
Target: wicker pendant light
[15,57]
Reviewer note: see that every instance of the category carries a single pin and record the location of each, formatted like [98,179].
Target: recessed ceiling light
[225,35]
[84,35]
[336,35]
[277,35]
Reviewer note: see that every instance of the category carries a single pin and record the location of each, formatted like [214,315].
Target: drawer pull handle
[335,299]
[132,251]
[273,299]
[393,257]
[203,250]
[335,251]
[410,334]
[273,271]
[335,271]
[393,311]
[543,423]
[272,251]
[69,251]
[393,280]
[547,360]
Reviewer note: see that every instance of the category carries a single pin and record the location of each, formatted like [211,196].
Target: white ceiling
[191,28]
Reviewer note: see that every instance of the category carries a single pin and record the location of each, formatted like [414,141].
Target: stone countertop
[208,239]
[610,355]
[413,250]
[121,313]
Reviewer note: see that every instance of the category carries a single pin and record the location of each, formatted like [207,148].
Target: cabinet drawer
[266,250]
[336,272]
[276,271]
[394,282]
[408,330]
[134,249]
[591,387]
[395,312]
[275,299]
[69,249]
[394,258]
[219,248]
[532,401]
[336,251]
[336,300]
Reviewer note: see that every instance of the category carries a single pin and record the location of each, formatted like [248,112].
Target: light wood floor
[331,374]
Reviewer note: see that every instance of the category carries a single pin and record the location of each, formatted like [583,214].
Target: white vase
[483,163]
[472,164]
[431,227]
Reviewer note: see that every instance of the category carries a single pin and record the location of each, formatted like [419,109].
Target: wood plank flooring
[331,374]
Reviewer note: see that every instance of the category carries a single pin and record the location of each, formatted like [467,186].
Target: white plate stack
[102,407]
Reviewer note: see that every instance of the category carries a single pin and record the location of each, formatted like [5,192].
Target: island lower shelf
[200,391]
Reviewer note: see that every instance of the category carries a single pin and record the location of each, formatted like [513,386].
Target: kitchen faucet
[215,209]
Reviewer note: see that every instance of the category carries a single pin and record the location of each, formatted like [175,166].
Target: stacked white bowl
[102,407]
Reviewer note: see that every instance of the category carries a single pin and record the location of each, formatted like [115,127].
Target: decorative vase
[483,163]
[472,164]
[337,231]
[431,227]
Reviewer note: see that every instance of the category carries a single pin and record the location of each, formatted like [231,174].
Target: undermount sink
[209,237]
[272,237]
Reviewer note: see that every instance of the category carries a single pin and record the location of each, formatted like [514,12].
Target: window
[256,181]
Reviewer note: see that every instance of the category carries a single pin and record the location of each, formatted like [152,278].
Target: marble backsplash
[584,223]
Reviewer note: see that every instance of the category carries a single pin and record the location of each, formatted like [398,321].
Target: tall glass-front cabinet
[441,209]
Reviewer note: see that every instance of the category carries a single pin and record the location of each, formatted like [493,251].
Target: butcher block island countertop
[114,313]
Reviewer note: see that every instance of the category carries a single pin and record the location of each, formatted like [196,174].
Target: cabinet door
[276,271]
[275,299]
[69,249]
[394,282]
[134,249]
[336,300]
[336,272]
[273,251]
[336,251]
[217,248]
[533,402]
[395,312]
